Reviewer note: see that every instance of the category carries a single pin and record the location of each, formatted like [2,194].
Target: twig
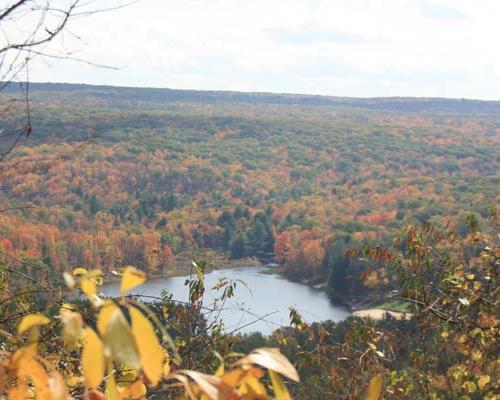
[251,323]
[27,277]
[21,294]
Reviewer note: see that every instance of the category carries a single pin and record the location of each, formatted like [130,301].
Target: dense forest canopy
[120,176]
[376,218]
[387,200]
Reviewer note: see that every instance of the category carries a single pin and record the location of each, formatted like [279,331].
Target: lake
[267,296]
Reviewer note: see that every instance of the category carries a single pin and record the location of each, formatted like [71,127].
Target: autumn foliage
[113,177]
[121,356]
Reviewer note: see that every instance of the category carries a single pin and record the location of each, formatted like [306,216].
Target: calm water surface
[267,296]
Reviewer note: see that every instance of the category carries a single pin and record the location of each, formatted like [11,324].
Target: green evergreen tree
[239,246]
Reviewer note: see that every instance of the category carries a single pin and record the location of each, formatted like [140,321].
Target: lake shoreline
[220,262]
[261,304]
[351,303]
[183,266]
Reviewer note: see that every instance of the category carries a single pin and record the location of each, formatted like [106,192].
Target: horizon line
[269,93]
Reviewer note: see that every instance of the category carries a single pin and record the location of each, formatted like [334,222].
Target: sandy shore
[377,314]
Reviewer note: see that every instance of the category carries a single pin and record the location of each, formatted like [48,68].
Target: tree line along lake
[261,304]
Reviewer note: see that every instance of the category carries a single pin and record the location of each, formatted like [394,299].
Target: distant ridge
[158,95]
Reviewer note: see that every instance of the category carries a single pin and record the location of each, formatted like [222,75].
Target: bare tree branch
[27,27]
[12,8]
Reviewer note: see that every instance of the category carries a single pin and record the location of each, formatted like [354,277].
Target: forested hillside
[389,200]
[119,176]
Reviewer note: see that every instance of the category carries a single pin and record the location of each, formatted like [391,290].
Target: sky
[359,48]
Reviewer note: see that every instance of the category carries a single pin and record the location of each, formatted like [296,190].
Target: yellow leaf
[95,395]
[136,390]
[253,388]
[20,354]
[132,278]
[88,287]
[280,390]
[92,359]
[375,388]
[19,392]
[79,271]
[66,307]
[72,327]
[185,382]
[483,381]
[103,317]
[271,358]
[150,352]
[119,341]
[73,380]
[97,276]
[221,368]
[166,368]
[469,386]
[30,367]
[209,384]
[111,390]
[30,321]
[239,376]
[69,280]
[57,387]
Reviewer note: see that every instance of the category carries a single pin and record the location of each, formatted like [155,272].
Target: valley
[152,177]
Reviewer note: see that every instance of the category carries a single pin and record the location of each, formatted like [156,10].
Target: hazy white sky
[445,48]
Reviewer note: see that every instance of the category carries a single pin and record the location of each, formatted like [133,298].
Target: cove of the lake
[266,296]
